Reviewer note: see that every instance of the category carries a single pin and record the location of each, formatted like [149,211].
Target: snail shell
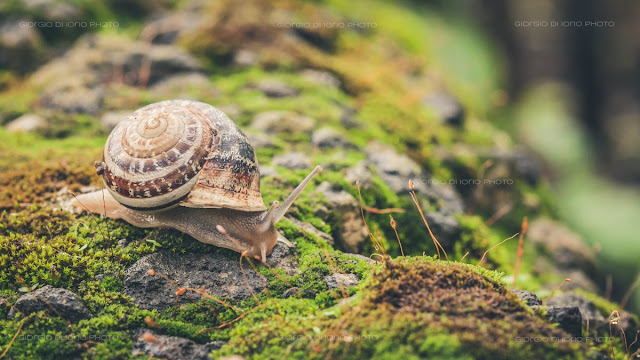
[181,152]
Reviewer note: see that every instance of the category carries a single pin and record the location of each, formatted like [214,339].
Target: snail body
[185,165]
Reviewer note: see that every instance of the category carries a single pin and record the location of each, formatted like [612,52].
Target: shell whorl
[181,152]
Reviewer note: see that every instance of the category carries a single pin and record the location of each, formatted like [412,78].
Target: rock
[448,109]
[328,138]
[261,140]
[566,247]
[148,342]
[76,82]
[321,77]
[520,163]
[359,257]
[282,121]
[165,61]
[71,97]
[292,160]
[445,226]
[568,318]
[396,169]
[312,230]
[219,274]
[347,119]
[528,297]
[245,58]
[27,123]
[168,29]
[267,171]
[184,86]
[359,172]
[276,89]
[351,232]
[66,304]
[335,281]
[19,45]
[53,10]
[294,291]
[579,280]
[283,257]
[112,118]
[587,308]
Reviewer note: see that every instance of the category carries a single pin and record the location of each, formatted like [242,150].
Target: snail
[185,165]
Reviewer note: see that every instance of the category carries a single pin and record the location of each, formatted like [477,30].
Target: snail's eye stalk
[279,213]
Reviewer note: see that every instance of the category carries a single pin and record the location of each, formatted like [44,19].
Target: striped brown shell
[181,152]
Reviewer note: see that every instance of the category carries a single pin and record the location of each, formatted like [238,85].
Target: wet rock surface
[292,161]
[448,108]
[396,170]
[528,297]
[219,274]
[148,342]
[587,308]
[66,304]
[27,123]
[571,256]
[282,122]
[329,138]
[352,232]
[312,230]
[276,89]
[568,318]
[337,281]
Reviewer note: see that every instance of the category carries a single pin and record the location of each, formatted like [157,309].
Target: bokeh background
[569,92]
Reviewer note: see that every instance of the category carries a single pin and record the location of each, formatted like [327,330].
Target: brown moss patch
[487,319]
[34,183]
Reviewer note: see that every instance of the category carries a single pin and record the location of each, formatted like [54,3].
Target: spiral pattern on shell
[181,152]
[153,158]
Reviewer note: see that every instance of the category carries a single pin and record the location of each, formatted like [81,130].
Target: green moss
[414,307]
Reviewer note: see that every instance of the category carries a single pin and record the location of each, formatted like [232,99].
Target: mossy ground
[415,307]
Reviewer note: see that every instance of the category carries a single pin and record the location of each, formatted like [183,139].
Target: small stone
[276,89]
[568,318]
[268,171]
[360,173]
[395,169]
[244,57]
[347,119]
[566,247]
[27,123]
[588,309]
[321,77]
[292,160]
[261,140]
[147,342]
[282,121]
[312,230]
[328,138]
[67,304]
[528,297]
[192,85]
[112,118]
[283,257]
[294,291]
[351,232]
[335,281]
[446,107]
